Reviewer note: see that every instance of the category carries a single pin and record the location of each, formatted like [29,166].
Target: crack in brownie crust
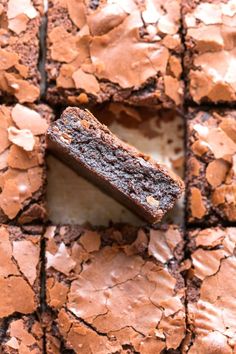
[125,51]
[114,288]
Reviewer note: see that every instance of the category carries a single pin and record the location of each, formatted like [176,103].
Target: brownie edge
[131,177]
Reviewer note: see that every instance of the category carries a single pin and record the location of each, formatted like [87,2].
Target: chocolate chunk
[125,51]
[211,158]
[115,288]
[211,291]
[131,177]
[19,49]
[22,162]
[210,50]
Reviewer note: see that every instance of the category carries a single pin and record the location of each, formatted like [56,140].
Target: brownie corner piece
[114,289]
[85,53]
[211,151]
[211,290]
[22,162]
[22,335]
[131,177]
[210,51]
[19,52]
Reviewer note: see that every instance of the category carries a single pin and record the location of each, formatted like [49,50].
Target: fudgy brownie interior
[131,176]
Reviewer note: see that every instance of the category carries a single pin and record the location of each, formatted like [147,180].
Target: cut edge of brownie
[130,176]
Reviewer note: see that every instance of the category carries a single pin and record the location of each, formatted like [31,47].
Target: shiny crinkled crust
[210,50]
[113,289]
[19,271]
[86,62]
[19,49]
[22,162]
[22,335]
[211,291]
[211,169]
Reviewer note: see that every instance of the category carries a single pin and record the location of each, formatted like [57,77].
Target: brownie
[19,49]
[211,158]
[22,336]
[122,51]
[211,291]
[114,290]
[19,274]
[210,50]
[22,162]
[128,175]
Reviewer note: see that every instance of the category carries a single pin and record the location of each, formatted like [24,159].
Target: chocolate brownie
[22,336]
[211,158]
[22,162]
[114,290]
[210,50]
[126,51]
[19,272]
[211,291]
[131,177]
[19,49]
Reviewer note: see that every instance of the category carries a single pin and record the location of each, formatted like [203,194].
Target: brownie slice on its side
[19,49]
[20,268]
[144,186]
[22,162]
[211,291]
[114,290]
[125,51]
[210,54]
[211,158]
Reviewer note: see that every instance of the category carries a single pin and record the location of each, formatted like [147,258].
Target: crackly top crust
[210,40]
[114,288]
[23,335]
[122,50]
[22,165]
[19,49]
[19,271]
[211,187]
[211,291]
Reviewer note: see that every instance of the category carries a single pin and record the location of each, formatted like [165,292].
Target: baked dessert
[22,162]
[20,284]
[210,50]
[211,291]
[22,335]
[134,179]
[19,49]
[211,185]
[126,51]
[114,290]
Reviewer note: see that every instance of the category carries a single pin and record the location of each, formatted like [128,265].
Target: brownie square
[114,290]
[124,51]
[19,49]
[211,291]
[22,162]
[211,157]
[210,50]
[19,272]
[22,335]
